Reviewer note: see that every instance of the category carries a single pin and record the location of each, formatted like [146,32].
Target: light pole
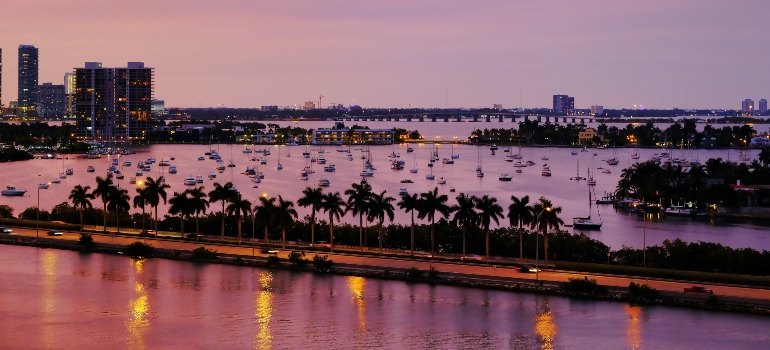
[644,229]
[253,223]
[537,243]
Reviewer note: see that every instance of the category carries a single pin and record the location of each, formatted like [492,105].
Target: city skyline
[420,54]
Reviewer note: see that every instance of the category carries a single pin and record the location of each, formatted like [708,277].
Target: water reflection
[264,310]
[49,297]
[545,327]
[139,321]
[356,286]
[633,326]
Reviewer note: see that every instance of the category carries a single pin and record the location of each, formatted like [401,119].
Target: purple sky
[397,53]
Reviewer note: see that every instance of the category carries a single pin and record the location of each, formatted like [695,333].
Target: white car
[5,230]
[55,233]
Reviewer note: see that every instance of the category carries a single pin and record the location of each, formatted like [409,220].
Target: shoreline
[433,277]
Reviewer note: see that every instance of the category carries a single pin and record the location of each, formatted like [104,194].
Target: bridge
[469,116]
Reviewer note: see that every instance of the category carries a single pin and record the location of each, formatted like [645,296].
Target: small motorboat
[189,180]
[90,169]
[13,191]
[441,181]
[324,182]
[199,179]
[402,191]
[505,177]
[212,175]
[43,186]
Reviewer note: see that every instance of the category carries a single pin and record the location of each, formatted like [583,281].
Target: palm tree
[237,206]
[140,201]
[465,213]
[180,205]
[284,215]
[764,156]
[155,191]
[103,187]
[358,203]
[430,203]
[198,204]
[81,199]
[409,203]
[264,213]
[547,219]
[117,202]
[380,206]
[221,194]
[520,213]
[489,211]
[333,204]
[311,197]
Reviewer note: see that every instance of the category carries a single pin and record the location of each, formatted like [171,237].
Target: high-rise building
[69,89]
[113,104]
[1,79]
[762,106]
[52,100]
[563,105]
[747,107]
[597,110]
[28,78]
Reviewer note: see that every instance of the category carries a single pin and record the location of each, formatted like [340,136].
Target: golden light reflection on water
[49,297]
[138,322]
[633,326]
[264,310]
[545,327]
[357,286]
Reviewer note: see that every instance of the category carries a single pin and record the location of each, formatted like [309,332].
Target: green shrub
[583,285]
[86,240]
[202,253]
[273,260]
[432,273]
[322,262]
[139,249]
[642,291]
[413,273]
[297,258]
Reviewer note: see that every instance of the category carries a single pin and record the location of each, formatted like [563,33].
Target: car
[148,233]
[698,289]
[268,251]
[194,235]
[473,257]
[528,269]
[55,233]
[5,230]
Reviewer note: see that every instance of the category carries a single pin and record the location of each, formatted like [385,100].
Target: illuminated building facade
[762,106]
[69,89]
[28,80]
[747,106]
[113,104]
[563,105]
[1,77]
[52,100]
[355,136]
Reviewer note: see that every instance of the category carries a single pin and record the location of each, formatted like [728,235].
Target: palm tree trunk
[379,235]
[361,231]
[312,228]
[239,230]
[197,224]
[118,221]
[144,214]
[81,219]
[432,245]
[181,228]
[331,232]
[156,221]
[545,245]
[411,252]
[521,244]
[463,240]
[486,233]
[105,217]
[283,237]
[223,219]
[267,229]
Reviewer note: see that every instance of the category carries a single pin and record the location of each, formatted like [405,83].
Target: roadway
[478,271]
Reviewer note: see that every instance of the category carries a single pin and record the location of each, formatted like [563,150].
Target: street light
[37,223]
[537,243]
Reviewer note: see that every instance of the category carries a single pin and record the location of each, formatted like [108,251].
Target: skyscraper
[28,78]
[1,78]
[747,107]
[69,90]
[113,104]
[762,106]
[563,105]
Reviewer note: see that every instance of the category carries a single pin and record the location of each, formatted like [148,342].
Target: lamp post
[644,229]
[253,224]
[537,244]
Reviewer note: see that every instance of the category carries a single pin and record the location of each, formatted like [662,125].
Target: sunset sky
[398,53]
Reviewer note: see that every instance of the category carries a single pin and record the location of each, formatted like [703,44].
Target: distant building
[597,110]
[28,80]
[586,137]
[113,104]
[1,78]
[760,142]
[269,108]
[356,136]
[497,106]
[747,107]
[762,109]
[563,105]
[308,106]
[52,100]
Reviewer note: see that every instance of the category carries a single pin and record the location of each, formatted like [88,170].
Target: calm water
[60,299]
[619,228]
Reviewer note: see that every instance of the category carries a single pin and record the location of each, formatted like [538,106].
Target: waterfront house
[354,136]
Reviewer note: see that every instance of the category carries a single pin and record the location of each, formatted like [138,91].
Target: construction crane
[320,98]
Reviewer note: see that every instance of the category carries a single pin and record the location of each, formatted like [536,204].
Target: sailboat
[591,181]
[577,176]
[414,170]
[430,176]
[479,172]
[454,156]
[635,155]
[280,166]
[586,223]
